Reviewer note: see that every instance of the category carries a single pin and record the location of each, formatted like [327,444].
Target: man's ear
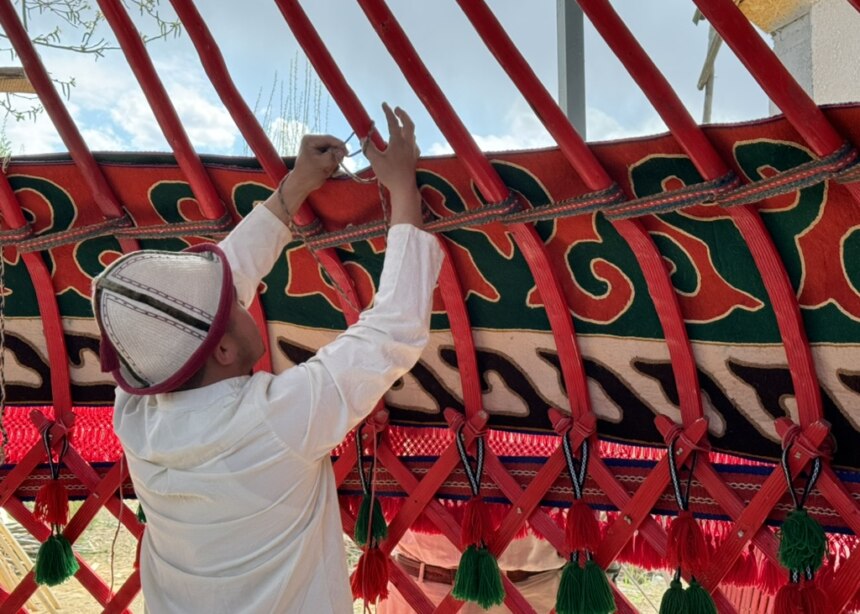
[226,351]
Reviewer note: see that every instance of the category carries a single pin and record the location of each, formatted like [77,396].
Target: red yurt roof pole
[492,188]
[646,253]
[328,70]
[490,184]
[452,296]
[103,194]
[216,69]
[782,297]
[774,78]
[330,75]
[449,284]
[209,201]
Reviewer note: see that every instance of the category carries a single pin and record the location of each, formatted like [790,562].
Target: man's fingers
[393,123]
[408,124]
[321,143]
[370,151]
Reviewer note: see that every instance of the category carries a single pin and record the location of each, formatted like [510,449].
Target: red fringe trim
[771,577]
[745,570]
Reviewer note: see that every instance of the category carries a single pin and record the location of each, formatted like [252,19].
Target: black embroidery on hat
[153,302]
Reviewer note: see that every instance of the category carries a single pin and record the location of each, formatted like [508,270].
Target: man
[232,469]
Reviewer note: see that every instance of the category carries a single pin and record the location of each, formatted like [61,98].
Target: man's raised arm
[313,406]
[253,247]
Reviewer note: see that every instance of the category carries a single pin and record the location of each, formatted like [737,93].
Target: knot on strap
[472,429]
[564,424]
[678,435]
[794,437]
[377,422]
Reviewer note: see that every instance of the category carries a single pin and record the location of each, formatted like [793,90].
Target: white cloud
[524,131]
[112,112]
[601,126]
[28,137]
[207,122]
[131,114]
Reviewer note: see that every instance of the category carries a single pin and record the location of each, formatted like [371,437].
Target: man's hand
[395,167]
[319,157]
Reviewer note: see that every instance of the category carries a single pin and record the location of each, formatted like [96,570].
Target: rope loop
[682,497]
[47,442]
[472,474]
[577,474]
[799,502]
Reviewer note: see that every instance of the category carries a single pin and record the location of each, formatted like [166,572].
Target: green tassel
[141,517]
[378,528]
[699,601]
[597,595]
[466,579]
[674,599]
[478,578]
[569,597]
[491,591]
[802,542]
[55,562]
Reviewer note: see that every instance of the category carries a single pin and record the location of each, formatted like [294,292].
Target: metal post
[571,63]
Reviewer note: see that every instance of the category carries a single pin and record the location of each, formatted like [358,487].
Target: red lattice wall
[634,520]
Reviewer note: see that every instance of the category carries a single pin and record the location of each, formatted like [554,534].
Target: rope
[841,166]
[810,482]
[704,193]
[577,478]
[365,480]
[473,475]
[118,525]
[74,235]
[46,441]
[681,498]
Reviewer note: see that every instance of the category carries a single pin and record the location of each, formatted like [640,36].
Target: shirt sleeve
[252,248]
[313,406]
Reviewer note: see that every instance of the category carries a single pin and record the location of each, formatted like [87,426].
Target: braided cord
[473,475]
[810,483]
[682,496]
[577,478]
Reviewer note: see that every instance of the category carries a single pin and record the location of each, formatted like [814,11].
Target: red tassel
[476,520]
[814,600]
[582,531]
[52,503]
[771,577]
[370,579]
[788,600]
[686,546]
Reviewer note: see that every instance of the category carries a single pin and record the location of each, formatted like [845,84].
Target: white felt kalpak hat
[160,315]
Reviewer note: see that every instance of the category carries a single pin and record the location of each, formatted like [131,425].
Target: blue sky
[110,110]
